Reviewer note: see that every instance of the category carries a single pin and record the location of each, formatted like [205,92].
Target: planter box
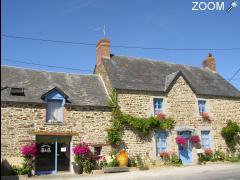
[115,169]
[14,177]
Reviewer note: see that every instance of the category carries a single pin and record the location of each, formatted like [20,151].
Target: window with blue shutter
[157,105]
[202,106]
[205,139]
[161,142]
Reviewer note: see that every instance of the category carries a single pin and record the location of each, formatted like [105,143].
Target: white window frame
[206,105]
[163,104]
[48,119]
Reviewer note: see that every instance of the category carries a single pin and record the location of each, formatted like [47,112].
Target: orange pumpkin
[122,158]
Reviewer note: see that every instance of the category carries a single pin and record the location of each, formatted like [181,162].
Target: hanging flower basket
[205,116]
[195,139]
[161,116]
[181,140]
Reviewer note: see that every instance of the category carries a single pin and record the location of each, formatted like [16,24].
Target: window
[17,92]
[161,142]
[205,139]
[202,106]
[157,105]
[97,150]
[54,111]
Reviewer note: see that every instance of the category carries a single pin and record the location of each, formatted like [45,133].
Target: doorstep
[19,177]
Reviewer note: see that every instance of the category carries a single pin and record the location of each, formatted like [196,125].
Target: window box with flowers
[205,116]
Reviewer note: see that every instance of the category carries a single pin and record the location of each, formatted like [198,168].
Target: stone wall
[21,122]
[181,104]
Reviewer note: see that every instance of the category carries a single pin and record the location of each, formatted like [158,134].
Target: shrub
[218,156]
[141,164]
[175,160]
[229,132]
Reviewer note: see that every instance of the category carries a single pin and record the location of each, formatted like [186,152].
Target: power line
[88,70]
[120,46]
[45,65]
[234,74]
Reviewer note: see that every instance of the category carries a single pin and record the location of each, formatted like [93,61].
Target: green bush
[229,132]
[175,160]
[218,156]
[141,164]
[88,166]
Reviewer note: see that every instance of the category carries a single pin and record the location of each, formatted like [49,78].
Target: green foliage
[175,160]
[218,156]
[143,125]
[233,158]
[88,166]
[229,132]
[132,162]
[113,163]
[141,164]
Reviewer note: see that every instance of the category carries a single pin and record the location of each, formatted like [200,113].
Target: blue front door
[185,151]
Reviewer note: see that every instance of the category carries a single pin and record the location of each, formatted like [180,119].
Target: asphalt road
[197,172]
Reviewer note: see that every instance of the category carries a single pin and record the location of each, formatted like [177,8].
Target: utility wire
[120,46]
[88,70]
[234,75]
[44,65]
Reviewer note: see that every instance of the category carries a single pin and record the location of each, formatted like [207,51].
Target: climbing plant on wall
[143,125]
[229,132]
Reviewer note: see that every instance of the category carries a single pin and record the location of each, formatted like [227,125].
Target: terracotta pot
[122,158]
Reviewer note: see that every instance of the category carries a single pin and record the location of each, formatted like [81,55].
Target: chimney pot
[210,63]
[103,50]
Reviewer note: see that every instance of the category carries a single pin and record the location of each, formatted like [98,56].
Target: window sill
[53,123]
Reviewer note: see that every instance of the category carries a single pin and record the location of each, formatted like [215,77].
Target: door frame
[56,158]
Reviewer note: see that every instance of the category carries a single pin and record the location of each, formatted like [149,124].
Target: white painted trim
[71,158]
[206,105]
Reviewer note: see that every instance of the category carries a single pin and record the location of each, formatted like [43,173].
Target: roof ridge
[38,70]
[155,61]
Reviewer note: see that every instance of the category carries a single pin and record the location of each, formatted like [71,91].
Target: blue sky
[148,23]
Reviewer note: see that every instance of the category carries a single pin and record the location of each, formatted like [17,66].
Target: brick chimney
[103,50]
[210,63]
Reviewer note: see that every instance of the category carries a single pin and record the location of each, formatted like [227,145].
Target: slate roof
[80,89]
[141,74]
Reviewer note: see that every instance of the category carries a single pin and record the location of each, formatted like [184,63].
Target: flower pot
[78,169]
[122,158]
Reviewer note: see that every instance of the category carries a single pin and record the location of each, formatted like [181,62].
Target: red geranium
[161,116]
[205,116]
[165,155]
[181,140]
[195,139]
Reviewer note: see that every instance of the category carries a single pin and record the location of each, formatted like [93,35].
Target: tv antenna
[103,29]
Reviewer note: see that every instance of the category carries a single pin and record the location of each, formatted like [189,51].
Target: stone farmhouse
[58,110]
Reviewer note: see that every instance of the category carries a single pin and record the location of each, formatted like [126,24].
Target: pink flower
[165,155]
[81,150]
[208,152]
[195,139]
[161,116]
[29,150]
[181,140]
[205,116]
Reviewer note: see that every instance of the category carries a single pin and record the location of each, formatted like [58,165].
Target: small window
[205,139]
[97,150]
[202,106]
[161,142]
[54,111]
[157,105]
[17,92]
